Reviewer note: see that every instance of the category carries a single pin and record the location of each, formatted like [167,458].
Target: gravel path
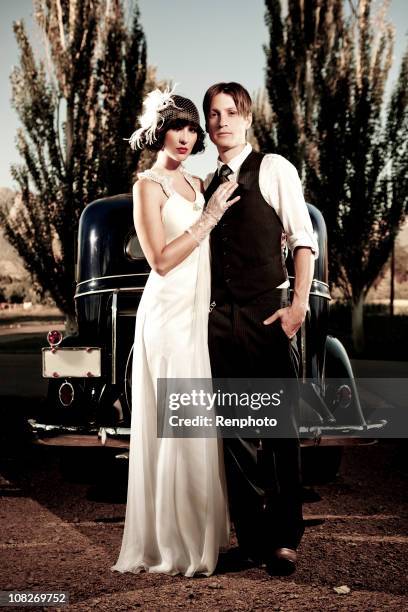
[65,536]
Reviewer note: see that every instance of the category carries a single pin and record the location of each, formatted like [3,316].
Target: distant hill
[403,235]
[382,290]
[11,263]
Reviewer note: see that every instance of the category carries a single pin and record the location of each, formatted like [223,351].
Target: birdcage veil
[160,107]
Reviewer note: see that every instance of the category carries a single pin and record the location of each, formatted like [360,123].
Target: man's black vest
[246,245]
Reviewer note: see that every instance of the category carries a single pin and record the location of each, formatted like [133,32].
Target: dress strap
[163,180]
[189,178]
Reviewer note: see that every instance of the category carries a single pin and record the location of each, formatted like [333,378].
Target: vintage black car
[89,392]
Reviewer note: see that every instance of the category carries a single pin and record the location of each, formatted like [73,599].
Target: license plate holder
[71,362]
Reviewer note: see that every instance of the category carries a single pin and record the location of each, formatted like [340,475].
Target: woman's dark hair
[177,124]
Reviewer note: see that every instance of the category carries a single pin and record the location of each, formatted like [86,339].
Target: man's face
[227,129]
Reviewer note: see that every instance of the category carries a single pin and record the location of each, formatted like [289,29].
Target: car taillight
[66,393]
[54,337]
[344,396]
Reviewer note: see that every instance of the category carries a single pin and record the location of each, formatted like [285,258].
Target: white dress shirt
[281,188]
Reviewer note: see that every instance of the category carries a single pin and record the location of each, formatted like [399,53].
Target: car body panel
[111,273]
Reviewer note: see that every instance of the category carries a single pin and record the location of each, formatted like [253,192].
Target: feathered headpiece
[160,106]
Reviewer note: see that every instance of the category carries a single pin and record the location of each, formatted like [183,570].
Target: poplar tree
[76,106]
[325,110]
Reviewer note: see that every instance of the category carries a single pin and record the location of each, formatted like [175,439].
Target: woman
[176,514]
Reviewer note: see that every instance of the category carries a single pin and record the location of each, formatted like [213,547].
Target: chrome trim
[315,280]
[113,276]
[114,326]
[102,392]
[110,431]
[315,292]
[141,289]
[59,349]
[72,348]
[118,289]
[337,441]
[319,294]
[319,282]
[94,278]
[60,428]
[117,431]
[317,429]
[129,403]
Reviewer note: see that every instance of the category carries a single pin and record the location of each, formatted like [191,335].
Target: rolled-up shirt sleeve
[280,186]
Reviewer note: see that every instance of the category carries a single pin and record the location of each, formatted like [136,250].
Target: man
[252,324]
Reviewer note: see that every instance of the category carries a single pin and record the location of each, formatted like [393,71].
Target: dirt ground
[61,535]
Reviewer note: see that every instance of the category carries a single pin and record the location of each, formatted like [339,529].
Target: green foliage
[22,290]
[383,333]
[325,111]
[76,107]
[15,292]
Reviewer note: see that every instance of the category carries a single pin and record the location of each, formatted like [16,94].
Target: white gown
[176,514]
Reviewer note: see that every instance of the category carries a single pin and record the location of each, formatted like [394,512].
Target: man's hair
[238,93]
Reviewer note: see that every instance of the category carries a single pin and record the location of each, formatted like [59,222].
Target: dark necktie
[224,173]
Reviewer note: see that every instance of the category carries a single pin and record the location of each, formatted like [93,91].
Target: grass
[23,344]
[36,314]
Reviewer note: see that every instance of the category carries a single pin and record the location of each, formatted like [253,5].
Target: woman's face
[179,142]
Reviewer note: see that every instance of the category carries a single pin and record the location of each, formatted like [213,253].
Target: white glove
[216,207]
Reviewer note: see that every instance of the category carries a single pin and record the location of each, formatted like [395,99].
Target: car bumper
[118,437]
[341,435]
[73,435]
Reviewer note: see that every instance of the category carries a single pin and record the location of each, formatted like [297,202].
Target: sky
[191,42]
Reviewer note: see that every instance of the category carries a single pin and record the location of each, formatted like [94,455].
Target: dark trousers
[263,476]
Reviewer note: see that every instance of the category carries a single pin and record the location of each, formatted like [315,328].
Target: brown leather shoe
[282,562]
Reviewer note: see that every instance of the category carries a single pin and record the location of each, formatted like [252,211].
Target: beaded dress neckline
[166,182]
